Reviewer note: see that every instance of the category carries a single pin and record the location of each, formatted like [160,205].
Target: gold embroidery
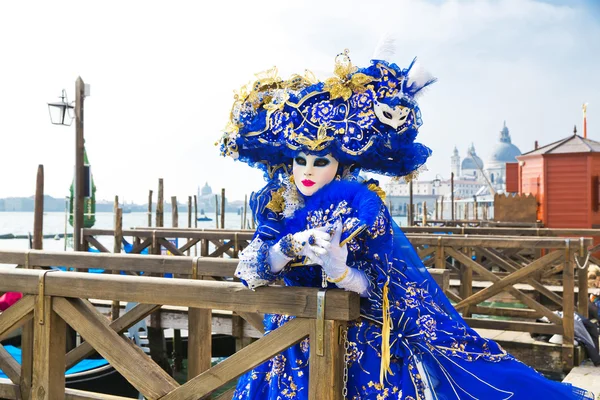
[277,203]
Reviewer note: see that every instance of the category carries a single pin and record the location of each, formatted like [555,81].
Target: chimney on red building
[536,145]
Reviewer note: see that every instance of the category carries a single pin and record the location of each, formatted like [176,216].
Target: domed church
[494,167]
[502,152]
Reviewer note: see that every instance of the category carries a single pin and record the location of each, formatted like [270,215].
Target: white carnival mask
[312,172]
[393,117]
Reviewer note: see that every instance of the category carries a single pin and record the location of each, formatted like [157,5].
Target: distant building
[206,200]
[472,177]
[503,152]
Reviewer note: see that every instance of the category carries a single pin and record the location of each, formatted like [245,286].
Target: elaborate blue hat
[365,117]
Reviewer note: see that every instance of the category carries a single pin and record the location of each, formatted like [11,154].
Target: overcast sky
[162,76]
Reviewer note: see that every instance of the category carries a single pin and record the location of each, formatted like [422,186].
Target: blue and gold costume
[368,120]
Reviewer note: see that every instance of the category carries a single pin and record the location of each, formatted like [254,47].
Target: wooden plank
[492,277]
[74,394]
[125,262]
[227,395]
[138,248]
[119,325]
[195,233]
[9,390]
[222,248]
[507,266]
[506,312]
[254,319]
[299,301]
[10,366]
[191,243]
[49,343]
[242,361]
[134,365]
[170,247]
[535,327]
[94,242]
[495,242]
[16,315]
[501,284]
[426,252]
[326,371]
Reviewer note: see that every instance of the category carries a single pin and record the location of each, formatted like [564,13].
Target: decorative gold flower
[319,143]
[347,80]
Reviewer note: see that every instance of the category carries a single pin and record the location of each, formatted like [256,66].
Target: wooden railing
[492,261]
[538,273]
[54,299]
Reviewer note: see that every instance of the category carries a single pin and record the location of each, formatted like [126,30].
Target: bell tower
[455,163]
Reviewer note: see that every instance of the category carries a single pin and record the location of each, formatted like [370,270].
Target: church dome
[206,189]
[504,151]
[470,160]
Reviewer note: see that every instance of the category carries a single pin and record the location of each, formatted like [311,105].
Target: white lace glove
[332,258]
[299,244]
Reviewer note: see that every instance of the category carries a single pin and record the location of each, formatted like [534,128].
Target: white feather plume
[386,48]
[419,77]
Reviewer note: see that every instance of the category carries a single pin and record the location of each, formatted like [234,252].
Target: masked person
[320,226]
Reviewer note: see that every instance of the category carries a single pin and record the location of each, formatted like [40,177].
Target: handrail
[233,296]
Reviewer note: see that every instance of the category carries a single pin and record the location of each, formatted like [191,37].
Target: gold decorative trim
[353,234]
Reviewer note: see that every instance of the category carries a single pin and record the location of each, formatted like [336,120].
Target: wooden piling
[159,206]
[174,213]
[150,208]
[195,221]
[246,212]
[38,213]
[223,208]
[216,211]
[118,237]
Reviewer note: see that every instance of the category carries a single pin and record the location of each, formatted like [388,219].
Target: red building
[564,177]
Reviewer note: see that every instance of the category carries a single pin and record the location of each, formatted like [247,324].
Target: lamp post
[60,114]
[437,182]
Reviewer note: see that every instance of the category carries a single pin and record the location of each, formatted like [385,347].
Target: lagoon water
[21,223]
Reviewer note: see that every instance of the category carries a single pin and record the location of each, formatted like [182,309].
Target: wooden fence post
[568,310]
[466,280]
[49,352]
[199,332]
[326,371]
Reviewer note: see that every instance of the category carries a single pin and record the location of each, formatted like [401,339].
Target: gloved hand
[332,257]
[297,244]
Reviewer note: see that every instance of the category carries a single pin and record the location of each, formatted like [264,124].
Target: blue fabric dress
[434,354]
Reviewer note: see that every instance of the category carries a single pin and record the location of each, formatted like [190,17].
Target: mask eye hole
[321,162]
[300,161]
[387,115]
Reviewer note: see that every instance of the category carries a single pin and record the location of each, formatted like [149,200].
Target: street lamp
[60,114]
